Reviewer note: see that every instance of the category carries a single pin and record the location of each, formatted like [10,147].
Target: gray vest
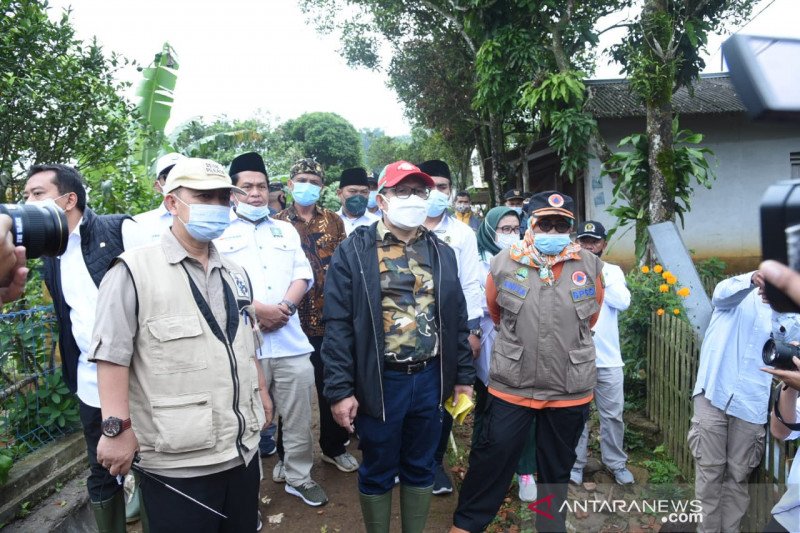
[544,348]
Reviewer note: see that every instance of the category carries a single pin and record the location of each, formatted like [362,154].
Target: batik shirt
[319,237]
[407,297]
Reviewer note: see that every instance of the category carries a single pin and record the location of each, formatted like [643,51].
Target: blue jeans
[407,440]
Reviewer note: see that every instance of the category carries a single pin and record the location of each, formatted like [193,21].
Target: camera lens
[41,230]
[769,353]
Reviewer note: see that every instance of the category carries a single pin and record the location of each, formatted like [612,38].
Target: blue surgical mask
[517,210]
[551,243]
[306,194]
[372,202]
[252,213]
[437,203]
[206,222]
[355,205]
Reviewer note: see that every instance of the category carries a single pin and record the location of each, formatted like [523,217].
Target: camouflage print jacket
[353,346]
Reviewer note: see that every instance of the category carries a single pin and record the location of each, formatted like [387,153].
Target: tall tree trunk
[660,159]
[498,154]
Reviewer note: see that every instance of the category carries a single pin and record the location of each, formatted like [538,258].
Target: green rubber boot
[110,514]
[377,511]
[414,505]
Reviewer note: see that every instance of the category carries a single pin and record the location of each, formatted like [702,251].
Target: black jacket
[101,243]
[353,346]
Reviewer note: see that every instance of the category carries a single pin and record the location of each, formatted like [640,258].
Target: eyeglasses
[561,225]
[508,230]
[404,192]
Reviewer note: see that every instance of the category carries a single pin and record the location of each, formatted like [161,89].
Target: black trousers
[444,438]
[332,436]
[100,484]
[233,493]
[494,458]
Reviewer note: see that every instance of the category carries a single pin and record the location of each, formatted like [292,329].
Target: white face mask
[407,213]
[506,241]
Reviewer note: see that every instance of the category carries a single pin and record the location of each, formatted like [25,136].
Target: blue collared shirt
[730,357]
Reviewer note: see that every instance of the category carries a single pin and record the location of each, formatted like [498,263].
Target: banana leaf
[156,97]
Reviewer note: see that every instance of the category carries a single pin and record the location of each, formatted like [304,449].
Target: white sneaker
[279,473]
[344,462]
[527,488]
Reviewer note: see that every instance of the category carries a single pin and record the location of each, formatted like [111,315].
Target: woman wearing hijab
[544,294]
[498,231]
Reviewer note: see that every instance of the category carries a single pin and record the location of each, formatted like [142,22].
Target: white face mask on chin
[407,213]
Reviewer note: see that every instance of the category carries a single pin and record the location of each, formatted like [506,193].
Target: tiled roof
[711,94]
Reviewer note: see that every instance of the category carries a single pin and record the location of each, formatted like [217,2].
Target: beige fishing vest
[544,348]
[194,400]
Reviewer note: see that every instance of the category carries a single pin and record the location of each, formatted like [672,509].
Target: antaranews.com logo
[670,511]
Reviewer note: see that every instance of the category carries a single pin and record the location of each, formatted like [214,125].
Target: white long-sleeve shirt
[616,298]
[730,357]
[462,240]
[787,510]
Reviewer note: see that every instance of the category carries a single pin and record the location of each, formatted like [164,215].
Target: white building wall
[724,221]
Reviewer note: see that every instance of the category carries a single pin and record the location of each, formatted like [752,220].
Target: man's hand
[344,412]
[271,317]
[12,284]
[461,389]
[790,378]
[783,278]
[475,345]
[116,453]
[266,401]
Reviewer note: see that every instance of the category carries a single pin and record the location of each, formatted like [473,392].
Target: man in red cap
[392,354]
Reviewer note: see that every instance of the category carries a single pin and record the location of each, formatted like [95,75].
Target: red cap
[396,172]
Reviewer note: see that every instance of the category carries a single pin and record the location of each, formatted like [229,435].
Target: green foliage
[711,271]
[684,166]
[46,409]
[155,103]
[328,138]
[223,139]
[59,100]
[647,297]
[662,469]
[6,462]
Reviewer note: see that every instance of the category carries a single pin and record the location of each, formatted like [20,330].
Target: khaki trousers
[725,449]
[291,382]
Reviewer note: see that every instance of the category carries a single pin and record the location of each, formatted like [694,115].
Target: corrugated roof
[712,94]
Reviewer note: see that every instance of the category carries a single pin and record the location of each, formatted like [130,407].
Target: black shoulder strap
[233,318]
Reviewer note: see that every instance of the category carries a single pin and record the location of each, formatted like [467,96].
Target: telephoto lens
[779,354]
[42,230]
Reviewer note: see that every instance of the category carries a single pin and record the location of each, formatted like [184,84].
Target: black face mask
[598,254]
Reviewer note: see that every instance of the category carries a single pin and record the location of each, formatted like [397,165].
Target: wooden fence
[673,353]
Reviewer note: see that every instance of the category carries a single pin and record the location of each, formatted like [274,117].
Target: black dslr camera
[41,230]
[766,74]
[778,354]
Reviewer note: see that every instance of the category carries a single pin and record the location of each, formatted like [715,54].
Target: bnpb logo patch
[555,200]
[579,278]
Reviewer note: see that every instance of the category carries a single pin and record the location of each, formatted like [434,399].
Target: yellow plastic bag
[460,410]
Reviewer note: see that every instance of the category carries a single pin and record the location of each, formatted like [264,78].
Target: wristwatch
[113,426]
[292,307]
[478,332]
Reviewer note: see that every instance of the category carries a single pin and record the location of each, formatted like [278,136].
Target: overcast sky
[239,56]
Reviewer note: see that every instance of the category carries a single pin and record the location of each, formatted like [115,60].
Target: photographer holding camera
[72,278]
[731,401]
[12,263]
[786,513]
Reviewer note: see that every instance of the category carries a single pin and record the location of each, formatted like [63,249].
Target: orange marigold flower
[676,311]
[645,269]
[658,269]
[663,287]
[672,280]
[666,274]
[684,292]
[660,312]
